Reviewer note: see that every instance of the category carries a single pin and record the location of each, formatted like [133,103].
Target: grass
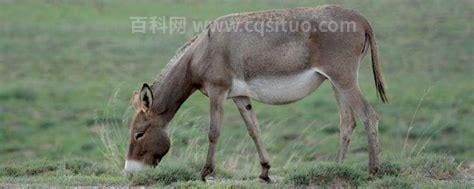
[68,69]
[328,173]
[392,182]
[164,175]
[42,167]
[440,167]
[28,169]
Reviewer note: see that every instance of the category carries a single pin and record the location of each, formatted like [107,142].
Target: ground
[69,68]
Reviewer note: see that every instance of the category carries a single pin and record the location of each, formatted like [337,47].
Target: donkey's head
[149,140]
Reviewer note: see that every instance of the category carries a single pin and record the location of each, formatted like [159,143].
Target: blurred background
[68,69]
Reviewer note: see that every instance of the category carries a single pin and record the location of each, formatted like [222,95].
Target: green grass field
[68,69]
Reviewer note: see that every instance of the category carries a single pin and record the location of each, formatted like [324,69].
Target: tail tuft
[376,68]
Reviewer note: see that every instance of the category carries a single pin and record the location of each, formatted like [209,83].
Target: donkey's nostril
[139,135]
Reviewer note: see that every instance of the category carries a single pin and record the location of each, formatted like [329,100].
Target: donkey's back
[281,56]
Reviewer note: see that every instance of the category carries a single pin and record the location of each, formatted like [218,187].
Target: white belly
[278,89]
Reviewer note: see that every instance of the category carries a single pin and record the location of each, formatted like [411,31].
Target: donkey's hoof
[265,178]
[206,170]
[374,170]
[209,179]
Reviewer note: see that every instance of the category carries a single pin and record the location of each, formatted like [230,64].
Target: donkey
[278,67]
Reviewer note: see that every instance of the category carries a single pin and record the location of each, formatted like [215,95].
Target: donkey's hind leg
[347,125]
[348,92]
[369,117]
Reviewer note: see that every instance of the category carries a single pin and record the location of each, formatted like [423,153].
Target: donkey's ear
[146,98]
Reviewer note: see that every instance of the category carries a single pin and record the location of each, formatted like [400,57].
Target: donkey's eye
[139,135]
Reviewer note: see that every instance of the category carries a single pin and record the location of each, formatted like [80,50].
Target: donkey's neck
[174,85]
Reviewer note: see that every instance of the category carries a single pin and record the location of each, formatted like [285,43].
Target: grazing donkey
[273,67]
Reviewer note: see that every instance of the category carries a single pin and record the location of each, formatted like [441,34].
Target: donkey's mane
[179,53]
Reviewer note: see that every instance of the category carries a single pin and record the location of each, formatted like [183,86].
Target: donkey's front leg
[250,119]
[217,98]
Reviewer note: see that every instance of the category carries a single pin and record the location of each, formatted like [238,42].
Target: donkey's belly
[280,89]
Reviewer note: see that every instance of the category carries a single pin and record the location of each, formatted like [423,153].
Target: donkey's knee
[214,134]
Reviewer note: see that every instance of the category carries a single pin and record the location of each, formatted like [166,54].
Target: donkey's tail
[376,68]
